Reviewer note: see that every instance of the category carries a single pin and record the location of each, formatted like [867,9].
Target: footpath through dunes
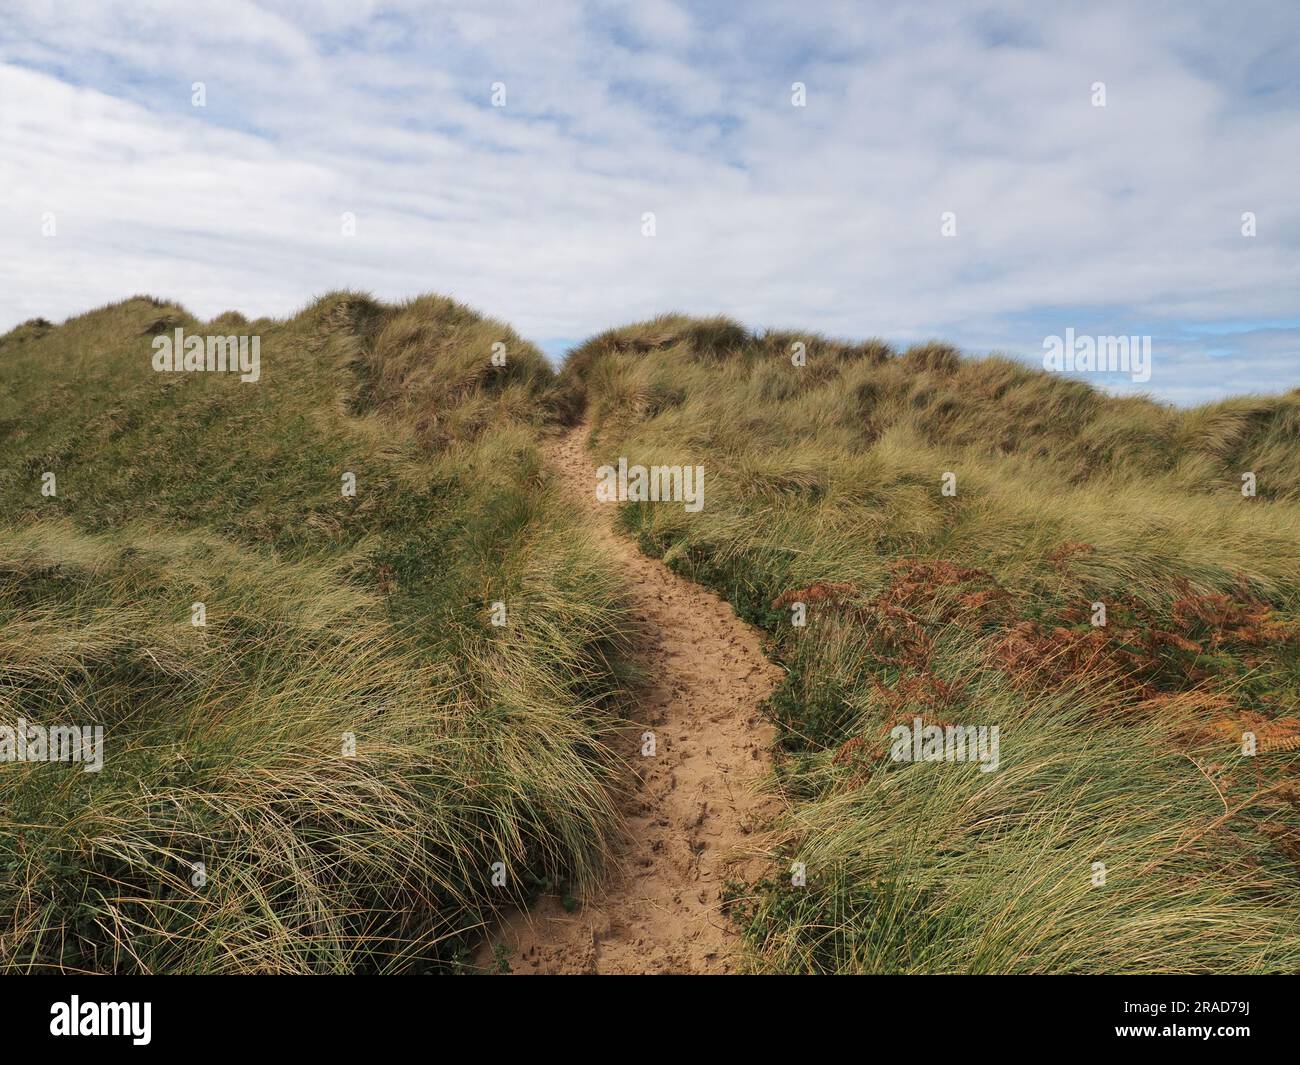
[691,805]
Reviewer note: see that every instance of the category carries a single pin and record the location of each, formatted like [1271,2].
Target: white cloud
[1123,218]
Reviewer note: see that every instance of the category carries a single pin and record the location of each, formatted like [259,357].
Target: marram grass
[324,776]
[1124,831]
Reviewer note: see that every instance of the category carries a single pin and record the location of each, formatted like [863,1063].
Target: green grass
[1120,745]
[327,617]
[364,620]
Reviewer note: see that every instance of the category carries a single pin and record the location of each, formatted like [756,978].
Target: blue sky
[1124,219]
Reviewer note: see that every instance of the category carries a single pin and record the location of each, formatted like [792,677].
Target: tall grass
[325,777]
[351,749]
[1121,745]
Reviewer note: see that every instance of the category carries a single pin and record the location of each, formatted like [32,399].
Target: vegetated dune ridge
[230,830]
[695,799]
[1124,830]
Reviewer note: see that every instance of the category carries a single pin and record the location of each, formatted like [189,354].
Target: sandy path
[690,805]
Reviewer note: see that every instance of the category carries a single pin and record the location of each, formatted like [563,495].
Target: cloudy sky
[1116,219]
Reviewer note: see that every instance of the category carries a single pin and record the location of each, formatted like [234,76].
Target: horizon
[556,352]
